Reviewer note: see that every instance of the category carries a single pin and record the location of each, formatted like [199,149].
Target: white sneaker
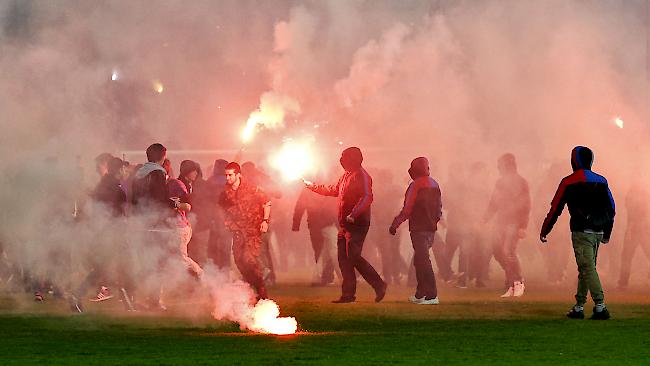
[519,289]
[433,301]
[416,300]
[509,292]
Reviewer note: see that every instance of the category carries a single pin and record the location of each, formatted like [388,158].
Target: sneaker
[518,289]
[416,300]
[509,292]
[103,295]
[433,301]
[38,296]
[344,300]
[576,312]
[600,312]
[381,293]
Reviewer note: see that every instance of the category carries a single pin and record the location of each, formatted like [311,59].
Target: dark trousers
[634,237]
[422,241]
[349,245]
[318,242]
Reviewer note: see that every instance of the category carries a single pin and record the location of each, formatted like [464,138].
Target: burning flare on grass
[266,319]
[619,122]
[270,114]
[294,160]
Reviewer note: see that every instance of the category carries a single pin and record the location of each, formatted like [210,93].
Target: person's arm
[299,209]
[364,202]
[557,205]
[525,207]
[264,200]
[611,210]
[405,213]
[325,190]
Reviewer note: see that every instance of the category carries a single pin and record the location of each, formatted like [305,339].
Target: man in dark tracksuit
[321,215]
[592,211]
[510,203]
[354,192]
[637,230]
[423,208]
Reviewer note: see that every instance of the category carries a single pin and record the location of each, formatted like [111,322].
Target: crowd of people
[236,207]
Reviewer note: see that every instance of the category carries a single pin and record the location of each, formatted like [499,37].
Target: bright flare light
[266,319]
[294,160]
[619,122]
[158,87]
[270,114]
[115,75]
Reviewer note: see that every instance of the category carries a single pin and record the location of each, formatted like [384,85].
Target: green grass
[469,327]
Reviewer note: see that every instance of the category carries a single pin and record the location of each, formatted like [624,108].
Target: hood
[351,159]
[419,168]
[581,158]
[148,168]
[188,166]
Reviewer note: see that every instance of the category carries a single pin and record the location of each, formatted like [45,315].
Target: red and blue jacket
[587,196]
[422,206]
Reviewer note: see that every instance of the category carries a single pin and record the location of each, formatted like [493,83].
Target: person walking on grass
[592,211]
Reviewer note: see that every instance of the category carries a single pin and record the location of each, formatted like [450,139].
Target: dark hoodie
[353,189]
[587,195]
[422,201]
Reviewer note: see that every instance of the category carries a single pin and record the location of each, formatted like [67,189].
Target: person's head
[116,167]
[351,159]
[507,164]
[189,170]
[232,172]
[419,168]
[248,169]
[156,153]
[101,163]
[581,158]
[219,167]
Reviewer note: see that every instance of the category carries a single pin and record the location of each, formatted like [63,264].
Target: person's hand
[350,219]
[264,227]
[392,230]
[521,233]
[543,239]
[308,184]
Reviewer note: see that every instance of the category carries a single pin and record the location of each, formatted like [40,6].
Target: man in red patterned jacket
[354,192]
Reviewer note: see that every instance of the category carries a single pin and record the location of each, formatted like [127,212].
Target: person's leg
[426,279]
[182,237]
[355,239]
[349,283]
[499,252]
[440,256]
[512,260]
[629,247]
[585,247]
[246,251]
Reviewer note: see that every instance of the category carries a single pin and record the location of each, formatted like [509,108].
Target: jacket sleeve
[493,205]
[557,205]
[327,190]
[607,231]
[159,190]
[299,209]
[365,183]
[409,202]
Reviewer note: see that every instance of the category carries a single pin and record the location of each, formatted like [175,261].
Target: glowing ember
[266,319]
[618,121]
[294,160]
[114,75]
[158,87]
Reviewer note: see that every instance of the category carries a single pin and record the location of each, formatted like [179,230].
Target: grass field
[469,327]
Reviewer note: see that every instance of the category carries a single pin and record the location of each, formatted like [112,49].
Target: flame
[619,122]
[294,159]
[158,87]
[270,114]
[115,75]
[266,319]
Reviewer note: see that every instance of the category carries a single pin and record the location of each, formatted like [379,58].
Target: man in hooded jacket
[423,208]
[592,211]
[354,192]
